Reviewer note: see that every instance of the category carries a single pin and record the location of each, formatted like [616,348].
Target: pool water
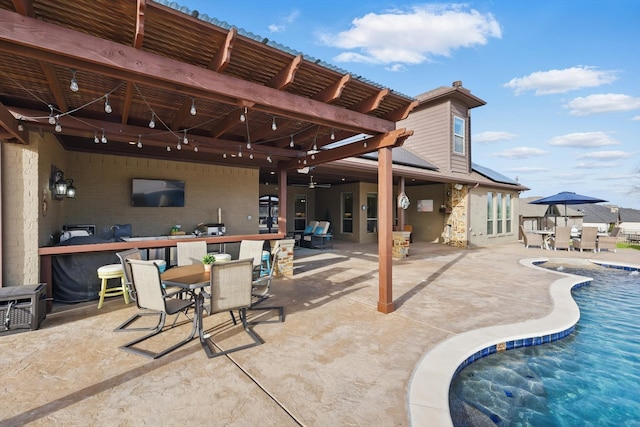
[590,378]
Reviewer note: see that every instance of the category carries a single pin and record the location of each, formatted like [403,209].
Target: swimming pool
[591,377]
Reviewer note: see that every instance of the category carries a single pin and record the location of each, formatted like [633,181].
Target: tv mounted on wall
[157,193]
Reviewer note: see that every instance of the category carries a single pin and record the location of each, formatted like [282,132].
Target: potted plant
[207,260]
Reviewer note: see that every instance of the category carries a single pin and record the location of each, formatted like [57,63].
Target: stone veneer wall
[284,259]
[456,216]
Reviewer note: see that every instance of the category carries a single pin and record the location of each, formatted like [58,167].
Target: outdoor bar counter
[46,253]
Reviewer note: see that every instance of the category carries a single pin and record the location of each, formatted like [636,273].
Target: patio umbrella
[566,198]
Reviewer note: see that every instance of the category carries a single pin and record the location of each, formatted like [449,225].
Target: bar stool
[265,266]
[112,271]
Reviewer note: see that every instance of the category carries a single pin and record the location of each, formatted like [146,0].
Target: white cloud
[288,19]
[596,165]
[636,118]
[527,169]
[561,81]
[413,36]
[521,153]
[605,155]
[396,68]
[602,103]
[583,140]
[493,136]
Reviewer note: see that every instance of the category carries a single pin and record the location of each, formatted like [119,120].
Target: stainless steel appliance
[210,230]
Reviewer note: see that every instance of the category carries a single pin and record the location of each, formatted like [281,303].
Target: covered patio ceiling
[256,103]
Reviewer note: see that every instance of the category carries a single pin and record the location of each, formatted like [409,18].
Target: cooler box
[22,307]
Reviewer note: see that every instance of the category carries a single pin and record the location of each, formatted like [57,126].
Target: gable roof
[629,215]
[598,214]
[493,175]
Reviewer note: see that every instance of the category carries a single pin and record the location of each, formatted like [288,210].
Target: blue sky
[561,78]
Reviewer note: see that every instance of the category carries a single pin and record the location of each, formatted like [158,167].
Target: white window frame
[459,132]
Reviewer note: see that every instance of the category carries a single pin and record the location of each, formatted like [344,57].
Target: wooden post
[385,226]
[282,202]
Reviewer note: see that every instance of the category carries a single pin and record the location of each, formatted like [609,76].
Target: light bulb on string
[269,158]
[224,155]
[193,107]
[333,135]
[273,124]
[243,116]
[104,138]
[291,144]
[239,153]
[139,141]
[107,106]
[185,140]
[52,119]
[251,156]
[74,83]
[313,157]
[249,145]
[179,147]
[168,148]
[195,148]
[152,122]
[365,144]
[58,128]
[95,137]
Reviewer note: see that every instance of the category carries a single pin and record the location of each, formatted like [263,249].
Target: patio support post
[385,237]
[282,202]
[400,214]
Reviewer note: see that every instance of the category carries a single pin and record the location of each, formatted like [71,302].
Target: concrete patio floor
[334,361]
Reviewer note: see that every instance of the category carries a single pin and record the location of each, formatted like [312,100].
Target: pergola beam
[23,36]
[285,77]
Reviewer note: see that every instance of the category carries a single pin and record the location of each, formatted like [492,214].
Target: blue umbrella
[566,198]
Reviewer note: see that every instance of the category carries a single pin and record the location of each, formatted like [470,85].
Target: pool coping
[428,395]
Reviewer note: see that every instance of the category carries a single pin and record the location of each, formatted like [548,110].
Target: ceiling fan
[312,184]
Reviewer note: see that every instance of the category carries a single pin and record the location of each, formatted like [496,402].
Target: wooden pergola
[211,89]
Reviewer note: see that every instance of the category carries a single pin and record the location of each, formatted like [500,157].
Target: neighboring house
[629,220]
[605,217]
[546,217]
[452,200]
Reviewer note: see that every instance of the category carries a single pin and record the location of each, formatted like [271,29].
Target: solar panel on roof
[493,175]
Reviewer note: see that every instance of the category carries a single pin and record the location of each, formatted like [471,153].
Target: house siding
[430,140]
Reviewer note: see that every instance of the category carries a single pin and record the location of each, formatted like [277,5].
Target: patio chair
[170,290]
[561,238]
[261,286]
[318,236]
[609,242]
[252,249]
[587,240]
[230,289]
[531,239]
[151,296]
[190,253]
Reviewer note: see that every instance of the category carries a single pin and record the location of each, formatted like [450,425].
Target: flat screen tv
[157,193]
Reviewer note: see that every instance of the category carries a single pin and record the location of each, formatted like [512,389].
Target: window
[458,135]
[300,212]
[499,217]
[507,210]
[347,212]
[489,213]
[372,213]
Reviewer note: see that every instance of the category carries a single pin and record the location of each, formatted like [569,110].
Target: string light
[239,153]
[179,147]
[104,138]
[193,107]
[251,156]
[52,120]
[365,144]
[249,145]
[95,137]
[273,124]
[243,116]
[185,140]
[139,141]
[291,144]
[224,156]
[74,83]
[333,135]
[20,125]
[269,158]
[195,148]
[58,127]
[168,148]
[152,122]
[107,106]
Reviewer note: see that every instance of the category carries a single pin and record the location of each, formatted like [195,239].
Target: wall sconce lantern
[61,187]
